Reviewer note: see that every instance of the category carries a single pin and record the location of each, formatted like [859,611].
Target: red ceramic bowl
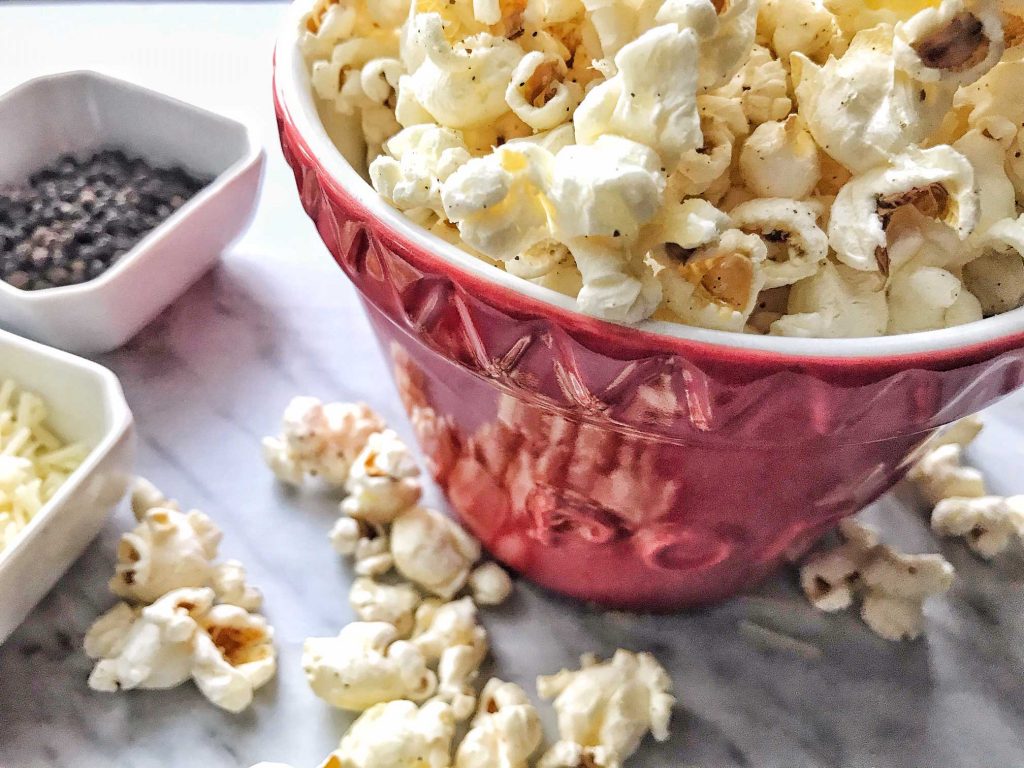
[652,467]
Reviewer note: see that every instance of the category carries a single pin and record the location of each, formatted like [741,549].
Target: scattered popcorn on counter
[167,550]
[366,664]
[450,634]
[940,474]
[490,584]
[989,524]
[505,732]
[226,650]
[433,551]
[892,585]
[399,734]
[554,140]
[383,480]
[185,616]
[605,709]
[394,603]
[34,462]
[319,440]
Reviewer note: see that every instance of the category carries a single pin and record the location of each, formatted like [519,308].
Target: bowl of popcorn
[670,288]
[66,452]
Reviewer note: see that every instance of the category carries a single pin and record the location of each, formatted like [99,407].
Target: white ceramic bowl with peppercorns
[79,114]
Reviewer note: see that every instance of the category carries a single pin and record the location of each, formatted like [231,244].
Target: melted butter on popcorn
[555,139]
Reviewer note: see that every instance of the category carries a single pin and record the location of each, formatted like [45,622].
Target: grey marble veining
[210,377]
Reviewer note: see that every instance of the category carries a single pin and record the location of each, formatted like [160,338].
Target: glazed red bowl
[649,467]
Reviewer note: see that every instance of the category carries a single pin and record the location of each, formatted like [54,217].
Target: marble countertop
[211,376]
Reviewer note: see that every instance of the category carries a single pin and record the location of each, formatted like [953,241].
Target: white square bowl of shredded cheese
[66,455]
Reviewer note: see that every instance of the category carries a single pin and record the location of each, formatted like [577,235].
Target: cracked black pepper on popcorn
[75,218]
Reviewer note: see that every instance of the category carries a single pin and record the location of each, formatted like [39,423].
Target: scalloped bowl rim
[296,96]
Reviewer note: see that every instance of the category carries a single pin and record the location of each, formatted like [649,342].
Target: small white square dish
[80,112]
[86,405]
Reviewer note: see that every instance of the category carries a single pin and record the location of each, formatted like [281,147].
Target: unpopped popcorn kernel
[605,709]
[989,524]
[490,584]
[364,665]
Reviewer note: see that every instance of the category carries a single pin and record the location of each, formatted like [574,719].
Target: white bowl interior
[83,111]
[79,411]
[343,160]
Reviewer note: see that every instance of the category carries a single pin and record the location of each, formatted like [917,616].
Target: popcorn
[233,656]
[717,285]
[146,496]
[392,603]
[940,474]
[461,85]
[860,109]
[896,586]
[419,160]
[614,289]
[761,87]
[500,201]
[506,730]
[988,523]
[996,278]
[432,551]
[996,194]
[383,480]
[796,245]
[490,584]
[780,159]
[441,626]
[368,545]
[962,433]
[652,98]
[605,709]
[726,31]
[539,94]
[155,646]
[893,585]
[804,26]
[926,298]
[559,139]
[609,188]
[319,440]
[226,650]
[956,43]
[229,583]
[939,182]
[168,550]
[836,302]
[366,664]
[398,734]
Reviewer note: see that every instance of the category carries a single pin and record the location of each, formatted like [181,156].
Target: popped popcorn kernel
[892,585]
[605,709]
[989,524]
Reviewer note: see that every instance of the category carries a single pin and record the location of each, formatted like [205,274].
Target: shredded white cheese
[34,462]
